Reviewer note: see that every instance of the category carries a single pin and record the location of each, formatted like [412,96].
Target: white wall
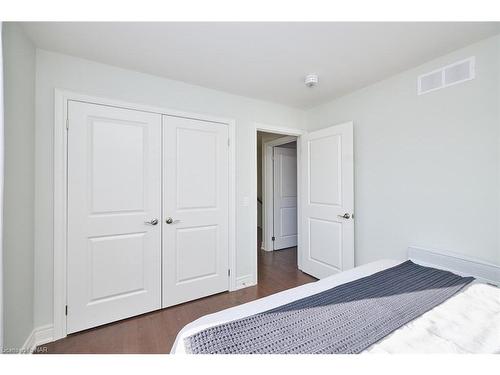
[18,224]
[60,71]
[426,167]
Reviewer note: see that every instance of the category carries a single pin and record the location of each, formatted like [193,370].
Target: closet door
[114,213]
[195,201]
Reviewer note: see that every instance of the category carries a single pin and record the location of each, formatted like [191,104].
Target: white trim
[232,205]
[29,345]
[278,129]
[39,336]
[2,171]
[268,189]
[69,95]
[459,264]
[60,210]
[60,190]
[253,184]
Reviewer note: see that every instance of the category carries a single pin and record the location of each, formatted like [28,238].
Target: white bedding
[469,322]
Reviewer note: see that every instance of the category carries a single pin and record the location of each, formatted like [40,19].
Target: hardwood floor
[155,332]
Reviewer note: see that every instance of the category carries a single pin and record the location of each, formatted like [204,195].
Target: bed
[468,321]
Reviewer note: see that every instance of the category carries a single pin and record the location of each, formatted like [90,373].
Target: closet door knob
[151,222]
[169,220]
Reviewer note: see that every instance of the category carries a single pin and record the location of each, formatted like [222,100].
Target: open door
[284,197]
[327,201]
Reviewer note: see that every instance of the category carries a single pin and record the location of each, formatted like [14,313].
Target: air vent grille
[430,82]
[446,76]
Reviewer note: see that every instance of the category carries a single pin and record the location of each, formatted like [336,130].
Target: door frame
[268,188]
[60,192]
[253,186]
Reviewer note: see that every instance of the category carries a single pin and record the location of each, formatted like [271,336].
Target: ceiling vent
[446,76]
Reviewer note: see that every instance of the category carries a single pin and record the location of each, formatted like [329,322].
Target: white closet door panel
[114,187]
[195,243]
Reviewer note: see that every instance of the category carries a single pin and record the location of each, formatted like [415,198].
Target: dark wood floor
[155,332]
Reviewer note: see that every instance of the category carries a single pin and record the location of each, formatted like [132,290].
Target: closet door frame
[60,194]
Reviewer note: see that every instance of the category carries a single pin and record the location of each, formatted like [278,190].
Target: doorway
[277,190]
[325,192]
[276,197]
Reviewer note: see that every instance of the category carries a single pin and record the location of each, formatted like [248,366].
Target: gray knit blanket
[345,319]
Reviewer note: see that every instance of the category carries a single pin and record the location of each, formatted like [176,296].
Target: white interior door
[114,190]
[285,197]
[327,201]
[195,234]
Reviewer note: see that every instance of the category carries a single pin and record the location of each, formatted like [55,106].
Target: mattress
[468,322]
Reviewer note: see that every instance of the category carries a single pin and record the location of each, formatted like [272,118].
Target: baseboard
[244,281]
[39,336]
[29,345]
[457,263]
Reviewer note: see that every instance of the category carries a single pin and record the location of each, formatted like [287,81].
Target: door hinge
[273,238]
[66,310]
[228,272]
[228,142]
[67,123]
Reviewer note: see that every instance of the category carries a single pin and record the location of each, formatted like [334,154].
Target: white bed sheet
[469,322]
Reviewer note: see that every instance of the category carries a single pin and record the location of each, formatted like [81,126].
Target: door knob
[169,220]
[345,216]
[151,222]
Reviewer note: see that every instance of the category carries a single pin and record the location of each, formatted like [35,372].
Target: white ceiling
[263,60]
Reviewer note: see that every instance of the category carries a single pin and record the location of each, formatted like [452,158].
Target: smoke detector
[311,80]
